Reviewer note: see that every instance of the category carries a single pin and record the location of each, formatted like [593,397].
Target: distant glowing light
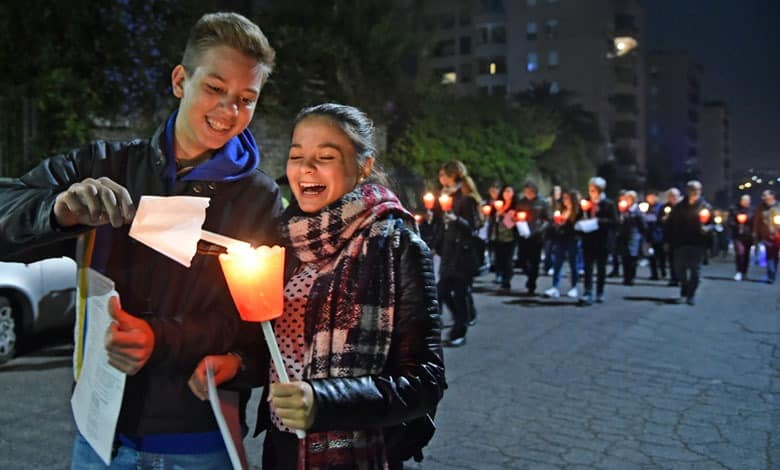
[748,184]
[448,78]
[492,68]
[624,45]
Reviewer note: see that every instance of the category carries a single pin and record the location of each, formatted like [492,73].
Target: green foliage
[76,61]
[348,51]
[493,139]
[573,157]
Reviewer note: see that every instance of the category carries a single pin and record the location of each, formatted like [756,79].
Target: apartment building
[503,47]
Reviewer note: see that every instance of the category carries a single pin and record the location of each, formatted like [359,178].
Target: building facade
[673,117]
[715,152]
[496,47]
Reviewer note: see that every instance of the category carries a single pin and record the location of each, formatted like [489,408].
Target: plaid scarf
[348,322]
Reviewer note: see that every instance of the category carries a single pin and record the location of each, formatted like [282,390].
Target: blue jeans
[562,250]
[84,458]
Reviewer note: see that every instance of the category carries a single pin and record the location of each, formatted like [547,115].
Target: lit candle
[558,217]
[486,209]
[776,219]
[418,219]
[428,200]
[742,218]
[521,216]
[445,201]
[718,219]
[704,216]
[586,205]
[255,278]
[667,209]
[499,205]
[623,205]
[644,206]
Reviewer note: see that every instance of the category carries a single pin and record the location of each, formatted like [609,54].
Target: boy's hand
[129,340]
[94,202]
[225,367]
[294,403]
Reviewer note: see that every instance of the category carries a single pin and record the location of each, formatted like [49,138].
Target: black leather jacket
[413,381]
[189,309]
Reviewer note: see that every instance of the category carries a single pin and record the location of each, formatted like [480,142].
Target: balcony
[623,130]
[624,103]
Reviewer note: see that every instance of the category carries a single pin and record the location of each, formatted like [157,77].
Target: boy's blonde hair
[232,30]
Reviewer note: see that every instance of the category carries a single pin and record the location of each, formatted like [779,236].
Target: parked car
[35,296]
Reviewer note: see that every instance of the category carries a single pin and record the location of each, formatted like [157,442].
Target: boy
[171,316]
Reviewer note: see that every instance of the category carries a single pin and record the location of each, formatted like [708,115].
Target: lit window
[554,88]
[552,60]
[531,31]
[449,78]
[533,62]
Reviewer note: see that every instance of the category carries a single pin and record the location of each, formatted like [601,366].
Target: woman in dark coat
[457,247]
[360,332]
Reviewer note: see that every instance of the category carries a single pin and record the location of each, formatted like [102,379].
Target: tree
[493,139]
[572,157]
[348,51]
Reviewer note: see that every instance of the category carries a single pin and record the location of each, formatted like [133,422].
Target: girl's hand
[294,404]
[225,367]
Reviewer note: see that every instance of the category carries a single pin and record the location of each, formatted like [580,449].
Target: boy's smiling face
[218,99]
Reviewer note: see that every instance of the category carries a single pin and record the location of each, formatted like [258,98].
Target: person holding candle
[170,316]
[740,223]
[629,236]
[529,250]
[504,236]
[673,197]
[766,226]
[554,202]
[563,238]
[689,224]
[594,242]
[360,331]
[655,236]
[455,244]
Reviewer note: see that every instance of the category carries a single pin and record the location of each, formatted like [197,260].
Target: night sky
[738,43]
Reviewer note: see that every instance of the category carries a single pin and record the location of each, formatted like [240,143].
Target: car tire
[9,330]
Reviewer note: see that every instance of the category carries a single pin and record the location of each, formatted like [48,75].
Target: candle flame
[428,200]
[255,277]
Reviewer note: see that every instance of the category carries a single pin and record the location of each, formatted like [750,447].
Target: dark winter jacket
[606,213]
[629,232]
[412,382]
[455,241]
[684,226]
[189,309]
[537,212]
[654,232]
[742,231]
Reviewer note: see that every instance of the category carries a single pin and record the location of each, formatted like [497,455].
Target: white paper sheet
[587,225]
[225,404]
[523,229]
[170,225]
[97,398]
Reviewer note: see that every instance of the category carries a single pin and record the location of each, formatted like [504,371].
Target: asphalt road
[636,382]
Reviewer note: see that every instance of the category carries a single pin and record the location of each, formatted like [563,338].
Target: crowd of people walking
[515,230]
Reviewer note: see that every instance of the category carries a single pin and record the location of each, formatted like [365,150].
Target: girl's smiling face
[322,164]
